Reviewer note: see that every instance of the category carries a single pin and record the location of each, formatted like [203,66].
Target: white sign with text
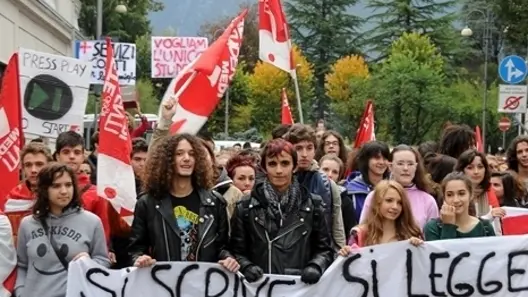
[171,54]
[94,51]
[493,266]
[54,92]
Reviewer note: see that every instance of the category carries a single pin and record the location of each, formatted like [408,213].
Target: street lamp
[226,120]
[467,32]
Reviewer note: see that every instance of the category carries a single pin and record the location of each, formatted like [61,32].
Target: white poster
[54,92]
[169,55]
[94,51]
[493,266]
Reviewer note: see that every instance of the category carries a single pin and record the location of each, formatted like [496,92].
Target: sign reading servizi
[493,266]
[94,51]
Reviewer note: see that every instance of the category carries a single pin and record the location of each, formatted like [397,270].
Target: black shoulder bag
[54,246]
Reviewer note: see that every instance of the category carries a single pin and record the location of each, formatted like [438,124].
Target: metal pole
[98,33]
[504,139]
[298,95]
[485,101]
[226,124]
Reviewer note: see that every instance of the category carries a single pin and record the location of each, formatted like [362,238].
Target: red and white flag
[365,131]
[115,176]
[515,222]
[286,115]
[199,87]
[274,39]
[11,135]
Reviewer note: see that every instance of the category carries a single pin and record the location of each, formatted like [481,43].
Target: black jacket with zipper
[154,232]
[303,238]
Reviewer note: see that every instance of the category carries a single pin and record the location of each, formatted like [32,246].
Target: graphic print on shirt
[187,222]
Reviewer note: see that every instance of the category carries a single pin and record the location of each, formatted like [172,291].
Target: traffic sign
[504,124]
[512,69]
[512,98]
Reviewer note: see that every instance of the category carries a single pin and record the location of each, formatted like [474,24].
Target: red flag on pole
[115,176]
[286,115]
[200,86]
[11,141]
[365,131]
[478,139]
[11,132]
[515,222]
[274,39]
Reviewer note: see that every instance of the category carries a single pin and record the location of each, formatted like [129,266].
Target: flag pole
[298,95]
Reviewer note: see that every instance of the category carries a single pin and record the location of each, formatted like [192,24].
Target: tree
[513,15]
[410,100]
[325,32]
[265,85]
[250,46]
[393,18]
[339,79]
[126,27]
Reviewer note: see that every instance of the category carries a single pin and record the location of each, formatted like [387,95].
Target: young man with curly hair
[179,218]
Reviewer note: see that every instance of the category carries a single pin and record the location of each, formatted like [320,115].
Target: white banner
[54,92]
[94,51]
[493,266]
[171,54]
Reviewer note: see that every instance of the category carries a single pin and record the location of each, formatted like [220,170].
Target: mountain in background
[186,16]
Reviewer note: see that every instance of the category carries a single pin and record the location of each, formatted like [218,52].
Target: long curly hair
[343,152]
[405,225]
[46,177]
[159,170]
[511,153]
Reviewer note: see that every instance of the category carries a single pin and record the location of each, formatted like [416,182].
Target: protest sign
[94,51]
[492,266]
[171,54]
[54,92]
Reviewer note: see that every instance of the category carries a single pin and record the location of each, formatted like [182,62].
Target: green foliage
[393,18]
[126,27]
[325,32]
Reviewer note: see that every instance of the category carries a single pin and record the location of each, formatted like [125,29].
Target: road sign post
[513,70]
[504,125]
[512,98]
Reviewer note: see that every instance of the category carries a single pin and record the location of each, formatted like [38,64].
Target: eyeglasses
[408,164]
[335,143]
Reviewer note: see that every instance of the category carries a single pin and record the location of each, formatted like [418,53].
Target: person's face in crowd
[85,169]
[331,169]
[60,192]
[522,153]
[475,171]
[458,195]
[403,167]
[244,178]
[493,164]
[319,135]
[31,165]
[138,162]
[391,205]
[305,154]
[377,165]
[280,170]
[72,156]
[237,147]
[496,184]
[331,145]
[185,159]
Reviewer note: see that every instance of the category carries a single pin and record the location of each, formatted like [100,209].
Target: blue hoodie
[358,190]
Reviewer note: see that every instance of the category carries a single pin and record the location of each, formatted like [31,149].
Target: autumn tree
[265,85]
[339,79]
[325,30]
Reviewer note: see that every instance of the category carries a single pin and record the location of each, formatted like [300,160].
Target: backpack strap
[486,225]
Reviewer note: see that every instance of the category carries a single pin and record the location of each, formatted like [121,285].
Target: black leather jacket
[303,239]
[154,232]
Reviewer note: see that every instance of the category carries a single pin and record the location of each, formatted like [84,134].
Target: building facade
[43,25]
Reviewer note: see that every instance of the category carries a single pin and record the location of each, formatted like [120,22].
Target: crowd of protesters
[289,208]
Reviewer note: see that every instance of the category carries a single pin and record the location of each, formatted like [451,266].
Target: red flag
[115,176]
[365,131]
[274,39]
[515,222]
[200,86]
[286,114]
[478,139]
[11,134]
